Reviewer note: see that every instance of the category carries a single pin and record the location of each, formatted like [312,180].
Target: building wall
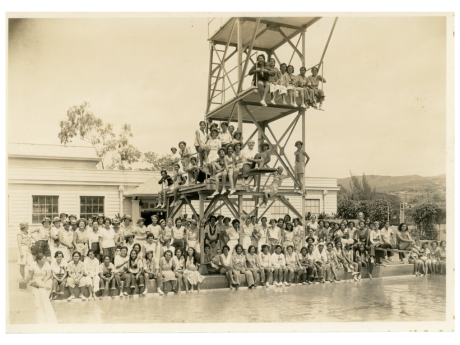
[51,163]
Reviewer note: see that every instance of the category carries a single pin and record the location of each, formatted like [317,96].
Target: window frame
[319,206]
[44,214]
[104,203]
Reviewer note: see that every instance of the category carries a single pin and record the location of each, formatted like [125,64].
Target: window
[312,206]
[90,205]
[44,206]
[278,210]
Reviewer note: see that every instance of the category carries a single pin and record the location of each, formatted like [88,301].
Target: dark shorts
[95,248]
[41,247]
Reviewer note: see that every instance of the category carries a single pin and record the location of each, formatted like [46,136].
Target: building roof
[150,187]
[37,151]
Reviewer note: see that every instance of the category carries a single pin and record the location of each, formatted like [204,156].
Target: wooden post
[303,183]
[303,47]
[239,48]
[211,50]
[259,177]
[240,211]
[201,232]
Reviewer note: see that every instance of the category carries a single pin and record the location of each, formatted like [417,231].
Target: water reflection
[388,299]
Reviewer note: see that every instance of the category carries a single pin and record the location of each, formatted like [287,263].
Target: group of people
[105,253]
[113,253]
[269,79]
[221,157]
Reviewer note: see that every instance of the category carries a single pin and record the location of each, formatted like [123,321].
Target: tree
[347,209]
[158,162]
[83,124]
[425,217]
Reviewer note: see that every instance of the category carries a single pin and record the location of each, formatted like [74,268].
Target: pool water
[383,299]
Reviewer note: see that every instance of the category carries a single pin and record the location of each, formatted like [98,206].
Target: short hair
[258,56]
[436,242]
[321,221]
[182,142]
[164,171]
[283,64]
[234,221]
[224,124]
[303,249]
[222,149]
[440,243]
[314,67]
[250,247]
[273,220]
[148,253]
[263,218]
[303,68]
[78,253]
[108,219]
[106,256]
[177,219]
[57,253]
[207,246]
[351,223]
[272,58]
[90,251]
[361,221]
[168,251]
[278,246]
[289,246]
[237,144]
[124,247]
[193,159]
[400,226]
[238,246]
[292,68]
[178,249]
[225,247]
[265,246]
[150,235]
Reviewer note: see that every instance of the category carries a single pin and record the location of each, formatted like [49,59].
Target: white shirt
[225,138]
[155,230]
[248,154]
[386,234]
[120,260]
[274,232]
[107,237]
[92,266]
[321,256]
[202,137]
[58,268]
[278,260]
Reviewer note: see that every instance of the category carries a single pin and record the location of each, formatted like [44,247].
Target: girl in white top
[200,141]
[106,241]
[266,262]
[279,265]
[140,231]
[247,233]
[262,232]
[274,234]
[93,238]
[92,271]
[233,235]
[225,262]
[292,264]
[152,245]
[59,274]
[212,147]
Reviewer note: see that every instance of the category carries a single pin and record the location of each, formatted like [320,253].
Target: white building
[45,180]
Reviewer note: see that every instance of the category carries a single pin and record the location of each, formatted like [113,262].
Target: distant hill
[387,184]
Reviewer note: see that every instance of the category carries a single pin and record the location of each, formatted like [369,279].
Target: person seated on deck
[151,270]
[224,136]
[77,276]
[168,185]
[388,239]
[300,164]
[290,82]
[274,76]
[167,268]
[200,142]
[333,262]
[272,190]
[136,276]
[263,158]
[260,71]
[220,168]
[254,265]
[342,259]
[249,162]
[315,95]
[107,275]
[280,268]
[185,154]
[212,147]
[195,174]
[301,87]
[59,274]
[280,85]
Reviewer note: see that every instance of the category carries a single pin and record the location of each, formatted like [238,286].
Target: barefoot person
[167,186]
[300,163]
[272,190]
[261,71]
[200,142]
[301,86]
[220,168]
[77,276]
[274,76]
[316,95]
[212,147]
[59,274]
[39,273]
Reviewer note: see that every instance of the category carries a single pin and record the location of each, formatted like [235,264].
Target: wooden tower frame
[246,35]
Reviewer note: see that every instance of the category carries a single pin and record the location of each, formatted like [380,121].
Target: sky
[385,108]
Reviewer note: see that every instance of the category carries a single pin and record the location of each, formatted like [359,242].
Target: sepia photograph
[227,172]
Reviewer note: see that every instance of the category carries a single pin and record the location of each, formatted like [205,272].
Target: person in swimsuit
[333,262]
[24,248]
[272,190]
[237,161]
[274,76]
[301,87]
[363,260]
[300,164]
[288,236]
[433,257]
[288,80]
[403,240]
